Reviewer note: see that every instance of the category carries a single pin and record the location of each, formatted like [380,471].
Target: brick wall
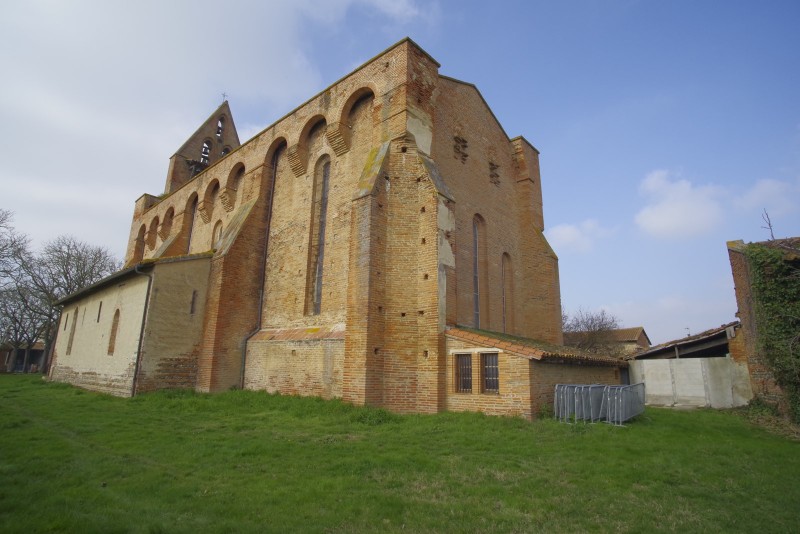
[174,325]
[296,366]
[499,180]
[514,397]
[413,158]
[745,345]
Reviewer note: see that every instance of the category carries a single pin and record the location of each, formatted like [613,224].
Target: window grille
[491,375]
[464,373]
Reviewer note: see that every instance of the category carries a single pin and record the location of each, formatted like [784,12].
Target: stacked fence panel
[623,402]
[595,402]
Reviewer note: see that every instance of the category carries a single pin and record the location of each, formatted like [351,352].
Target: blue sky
[665,127]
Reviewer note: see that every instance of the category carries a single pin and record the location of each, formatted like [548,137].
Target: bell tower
[215,138]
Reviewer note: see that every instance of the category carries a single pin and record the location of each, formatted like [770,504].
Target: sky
[665,128]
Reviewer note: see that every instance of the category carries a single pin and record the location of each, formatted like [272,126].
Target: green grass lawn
[243,461]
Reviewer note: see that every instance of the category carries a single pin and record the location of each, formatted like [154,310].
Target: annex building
[382,243]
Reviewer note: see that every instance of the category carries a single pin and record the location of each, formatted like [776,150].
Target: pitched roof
[531,349]
[629,334]
[618,335]
[133,270]
[688,340]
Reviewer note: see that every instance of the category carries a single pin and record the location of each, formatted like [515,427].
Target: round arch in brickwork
[233,185]
[152,233]
[166,223]
[138,247]
[359,94]
[189,216]
[235,177]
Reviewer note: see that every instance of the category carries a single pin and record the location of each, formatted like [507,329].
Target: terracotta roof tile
[529,348]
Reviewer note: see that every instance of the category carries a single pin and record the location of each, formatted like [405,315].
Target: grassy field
[243,461]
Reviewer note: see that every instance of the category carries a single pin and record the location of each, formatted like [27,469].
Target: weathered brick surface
[414,157]
[173,326]
[468,144]
[514,397]
[526,384]
[745,347]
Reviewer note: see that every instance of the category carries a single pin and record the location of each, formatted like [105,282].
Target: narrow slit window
[480,274]
[99,309]
[112,338]
[220,126]
[193,305]
[507,289]
[72,331]
[476,295]
[316,251]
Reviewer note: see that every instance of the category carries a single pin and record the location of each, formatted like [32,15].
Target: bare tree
[591,331]
[12,243]
[31,283]
[768,222]
[21,324]
[64,266]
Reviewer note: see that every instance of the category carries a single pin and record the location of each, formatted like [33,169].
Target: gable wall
[510,205]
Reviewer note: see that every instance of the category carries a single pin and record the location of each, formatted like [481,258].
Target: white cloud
[99,94]
[576,237]
[777,197]
[676,208]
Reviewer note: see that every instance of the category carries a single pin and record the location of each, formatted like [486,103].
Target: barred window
[464,373]
[490,373]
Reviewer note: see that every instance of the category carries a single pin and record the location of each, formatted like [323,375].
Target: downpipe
[141,331]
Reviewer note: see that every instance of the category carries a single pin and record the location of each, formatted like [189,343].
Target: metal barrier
[623,402]
[578,402]
[595,402]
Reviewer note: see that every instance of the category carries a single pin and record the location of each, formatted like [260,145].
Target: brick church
[382,243]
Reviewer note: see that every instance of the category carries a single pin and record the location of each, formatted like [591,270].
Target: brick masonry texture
[745,347]
[414,157]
